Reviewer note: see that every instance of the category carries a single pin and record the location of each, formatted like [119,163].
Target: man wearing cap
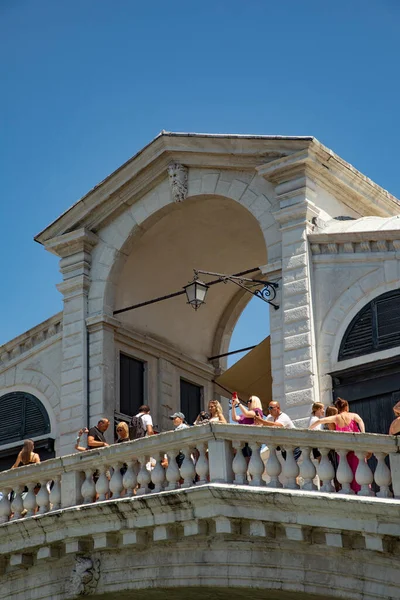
[179,421]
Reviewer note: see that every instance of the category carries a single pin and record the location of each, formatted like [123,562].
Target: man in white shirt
[144,413]
[276,417]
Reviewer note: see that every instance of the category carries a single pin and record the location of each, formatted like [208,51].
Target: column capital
[74,242]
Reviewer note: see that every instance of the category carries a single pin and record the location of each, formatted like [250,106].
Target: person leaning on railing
[345,421]
[214,414]
[277,418]
[395,425]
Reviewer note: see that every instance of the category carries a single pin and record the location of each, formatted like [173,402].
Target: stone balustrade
[211,454]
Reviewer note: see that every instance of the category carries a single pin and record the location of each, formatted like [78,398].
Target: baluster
[326,471]
[202,469]
[55,494]
[307,470]
[129,479]
[188,472]
[172,474]
[239,465]
[30,500]
[273,468]
[158,474]
[344,473]
[17,505]
[144,476]
[383,476]
[256,465]
[88,489]
[5,506]
[290,470]
[102,486]
[364,475]
[42,498]
[116,484]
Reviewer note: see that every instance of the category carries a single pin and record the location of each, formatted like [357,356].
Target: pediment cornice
[277,158]
[322,166]
[149,166]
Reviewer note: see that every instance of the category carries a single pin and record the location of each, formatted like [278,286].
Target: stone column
[295,190]
[102,370]
[75,251]
[299,351]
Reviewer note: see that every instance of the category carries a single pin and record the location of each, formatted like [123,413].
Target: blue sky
[87,83]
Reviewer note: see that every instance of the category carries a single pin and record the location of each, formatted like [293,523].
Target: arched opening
[372,387]
[23,416]
[211,233]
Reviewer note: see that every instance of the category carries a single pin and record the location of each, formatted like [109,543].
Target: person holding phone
[249,412]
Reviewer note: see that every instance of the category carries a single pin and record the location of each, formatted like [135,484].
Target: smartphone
[234,395]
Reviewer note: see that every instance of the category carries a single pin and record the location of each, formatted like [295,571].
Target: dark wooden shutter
[190,400]
[131,384]
[22,416]
[376,327]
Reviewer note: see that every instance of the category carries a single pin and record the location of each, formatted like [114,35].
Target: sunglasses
[119,429]
[272,407]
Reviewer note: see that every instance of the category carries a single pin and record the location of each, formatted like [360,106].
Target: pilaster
[74,249]
[102,369]
[297,369]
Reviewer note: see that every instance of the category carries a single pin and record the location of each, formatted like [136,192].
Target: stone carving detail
[178,179]
[85,575]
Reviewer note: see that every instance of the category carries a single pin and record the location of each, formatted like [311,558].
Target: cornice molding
[25,344]
[145,169]
[73,242]
[336,176]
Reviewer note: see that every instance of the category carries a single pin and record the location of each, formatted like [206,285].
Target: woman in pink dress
[346,421]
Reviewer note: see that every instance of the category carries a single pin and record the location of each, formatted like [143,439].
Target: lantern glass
[196,293]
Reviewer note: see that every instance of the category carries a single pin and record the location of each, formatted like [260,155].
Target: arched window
[22,416]
[376,327]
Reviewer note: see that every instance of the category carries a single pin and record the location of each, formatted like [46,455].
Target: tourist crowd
[250,412]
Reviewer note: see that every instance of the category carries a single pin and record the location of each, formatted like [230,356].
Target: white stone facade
[221,203]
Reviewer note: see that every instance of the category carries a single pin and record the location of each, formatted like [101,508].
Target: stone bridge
[215,528]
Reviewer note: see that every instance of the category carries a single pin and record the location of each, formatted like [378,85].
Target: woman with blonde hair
[395,425]
[214,414]
[122,430]
[254,408]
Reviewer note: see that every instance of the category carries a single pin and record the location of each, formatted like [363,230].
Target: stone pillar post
[75,251]
[102,370]
[295,191]
[299,350]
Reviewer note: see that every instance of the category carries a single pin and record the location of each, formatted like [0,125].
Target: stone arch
[338,319]
[115,241]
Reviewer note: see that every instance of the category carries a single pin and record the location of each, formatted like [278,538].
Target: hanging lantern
[196,293]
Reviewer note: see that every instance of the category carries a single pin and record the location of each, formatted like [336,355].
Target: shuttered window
[191,395]
[22,416]
[131,381]
[376,327]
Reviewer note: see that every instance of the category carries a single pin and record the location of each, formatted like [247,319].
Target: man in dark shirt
[96,437]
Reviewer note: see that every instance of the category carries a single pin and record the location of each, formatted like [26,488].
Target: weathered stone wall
[290,545]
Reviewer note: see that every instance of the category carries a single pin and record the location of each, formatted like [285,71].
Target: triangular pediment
[145,169]
[276,158]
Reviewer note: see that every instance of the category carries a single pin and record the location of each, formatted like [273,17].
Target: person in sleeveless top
[395,425]
[27,456]
[345,421]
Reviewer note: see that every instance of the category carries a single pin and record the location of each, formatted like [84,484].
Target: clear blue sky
[87,83]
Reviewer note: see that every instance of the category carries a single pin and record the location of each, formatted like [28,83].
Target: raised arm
[331,419]
[260,421]
[234,415]
[359,422]
[16,464]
